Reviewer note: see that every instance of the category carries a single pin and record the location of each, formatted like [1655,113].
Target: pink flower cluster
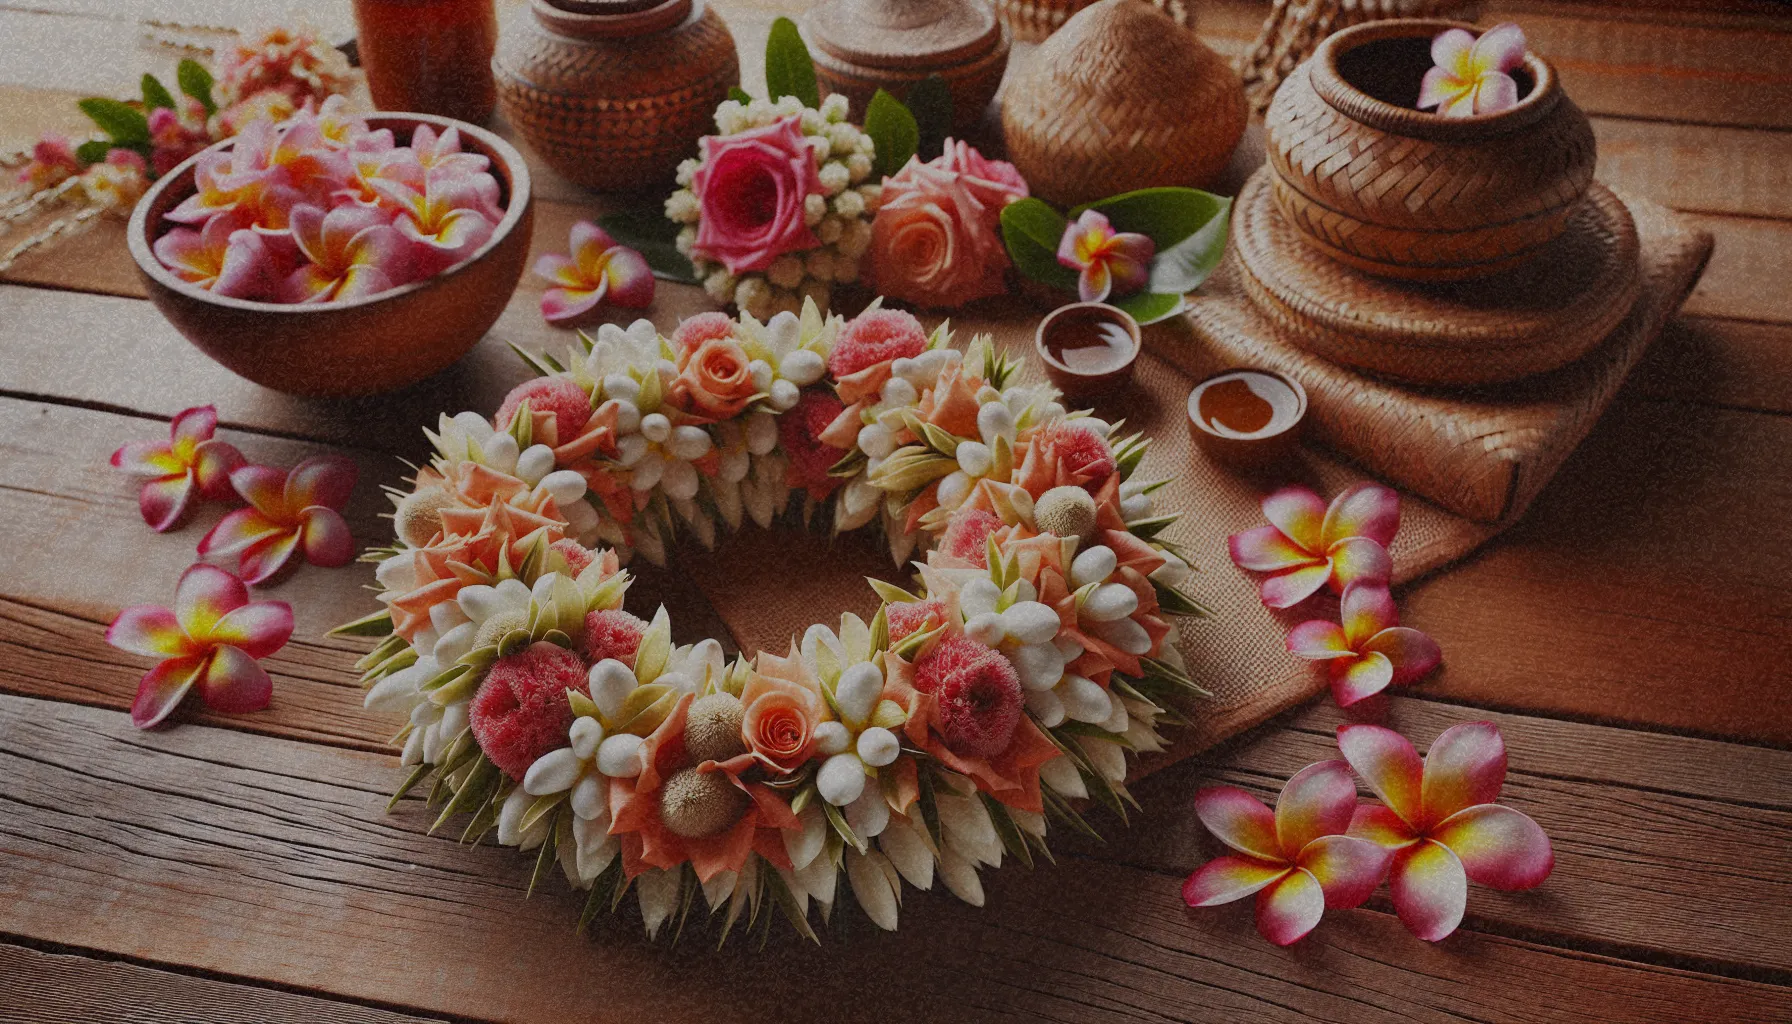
[321,208]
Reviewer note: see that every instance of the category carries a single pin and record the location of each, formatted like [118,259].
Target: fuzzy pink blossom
[520,711]
[979,695]
[799,432]
[878,336]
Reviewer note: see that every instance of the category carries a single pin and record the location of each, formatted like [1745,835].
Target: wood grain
[270,859]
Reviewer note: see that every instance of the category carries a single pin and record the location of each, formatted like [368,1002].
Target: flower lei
[931,740]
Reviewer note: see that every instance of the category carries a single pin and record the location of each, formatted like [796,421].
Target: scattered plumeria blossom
[1370,651]
[1108,263]
[212,639]
[597,268]
[289,511]
[1308,545]
[1473,76]
[191,462]
[1297,860]
[1439,819]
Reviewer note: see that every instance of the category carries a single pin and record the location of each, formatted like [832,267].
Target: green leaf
[648,232]
[93,151]
[739,95]
[1182,267]
[155,94]
[377,624]
[1188,227]
[196,81]
[1150,307]
[789,70]
[930,101]
[893,131]
[1032,229]
[126,125]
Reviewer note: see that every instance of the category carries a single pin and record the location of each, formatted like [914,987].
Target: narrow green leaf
[838,820]
[418,774]
[789,70]
[930,101]
[155,94]
[1031,229]
[739,95]
[890,592]
[1145,529]
[1012,837]
[1149,307]
[196,81]
[893,131]
[786,901]
[127,126]
[93,151]
[647,231]
[1175,602]
[377,624]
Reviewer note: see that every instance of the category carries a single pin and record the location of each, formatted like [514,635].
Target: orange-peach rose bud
[713,379]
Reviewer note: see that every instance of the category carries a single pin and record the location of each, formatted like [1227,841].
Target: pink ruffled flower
[1309,545]
[225,257]
[1439,819]
[1473,76]
[288,511]
[750,189]
[448,220]
[598,268]
[1108,263]
[293,61]
[1371,650]
[211,639]
[351,251]
[52,162]
[1297,859]
[937,237]
[189,462]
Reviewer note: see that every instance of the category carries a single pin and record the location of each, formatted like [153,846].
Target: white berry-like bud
[565,486]
[1092,565]
[878,746]
[974,458]
[1039,666]
[500,452]
[993,421]
[841,779]
[587,733]
[535,462]
[955,487]
[610,683]
[802,367]
[784,395]
[1125,634]
[656,427]
[832,737]
[688,442]
[1030,622]
[858,690]
[679,480]
[1110,601]
[877,440]
[1084,699]
[986,629]
[619,756]
[621,386]
[897,391]
[761,432]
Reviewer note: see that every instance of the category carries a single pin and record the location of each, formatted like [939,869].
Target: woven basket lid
[905,35]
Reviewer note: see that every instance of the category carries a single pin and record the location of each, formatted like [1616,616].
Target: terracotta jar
[614,93]
[861,46]
[428,56]
[1408,194]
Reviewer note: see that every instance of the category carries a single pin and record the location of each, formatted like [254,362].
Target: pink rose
[937,237]
[751,189]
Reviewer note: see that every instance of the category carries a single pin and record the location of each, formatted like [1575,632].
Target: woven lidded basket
[1404,193]
[1032,20]
[861,46]
[1121,98]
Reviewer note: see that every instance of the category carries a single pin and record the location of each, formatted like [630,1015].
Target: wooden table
[1631,638]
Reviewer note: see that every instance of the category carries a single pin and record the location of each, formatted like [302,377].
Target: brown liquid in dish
[1235,405]
[1089,341]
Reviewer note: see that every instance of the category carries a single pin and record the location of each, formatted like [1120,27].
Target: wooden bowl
[362,346]
[1408,194]
[1266,446]
[1080,382]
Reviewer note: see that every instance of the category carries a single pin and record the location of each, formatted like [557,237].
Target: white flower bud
[1125,634]
[857,691]
[955,487]
[832,737]
[761,373]
[974,458]
[1039,666]
[1061,775]
[565,486]
[1110,601]
[648,472]
[878,746]
[987,629]
[1030,622]
[815,207]
[1136,507]
[656,427]
[1093,565]
[479,601]
[610,682]
[868,815]
[1084,699]
[688,442]
[1045,706]
[535,462]
[589,799]
[552,772]
[784,395]
[587,733]
[841,779]
[993,421]
[897,391]
[679,480]
[500,452]
[761,433]
[802,367]
[979,596]
[619,756]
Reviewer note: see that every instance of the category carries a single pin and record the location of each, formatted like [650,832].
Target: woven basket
[1031,21]
[1121,99]
[1295,28]
[614,93]
[1407,194]
[861,46]
[1528,321]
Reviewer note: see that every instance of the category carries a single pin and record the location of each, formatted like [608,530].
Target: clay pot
[361,346]
[614,93]
[861,46]
[1412,195]
[1119,99]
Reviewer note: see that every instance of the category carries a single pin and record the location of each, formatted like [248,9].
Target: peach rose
[713,379]
[937,237]
[779,721]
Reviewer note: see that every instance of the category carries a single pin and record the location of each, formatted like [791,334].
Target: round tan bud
[712,728]
[419,516]
[1066,512]
[695,804]
[497,627]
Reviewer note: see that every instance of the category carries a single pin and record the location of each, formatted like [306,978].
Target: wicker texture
[1530,320]
[861,46]
[1411,195]
[1295,28]
[610,107]
[1031,21]
[1121,99]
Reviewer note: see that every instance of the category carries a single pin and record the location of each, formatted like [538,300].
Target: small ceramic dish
[1088,348]
[1246,418]
[361,346]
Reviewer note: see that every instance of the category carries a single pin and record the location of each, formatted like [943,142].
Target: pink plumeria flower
[1297,860]
[1309,545]
[442,152]
[221,184]
[190,462]
[52,162]
[288,512]
[212,639]
[598,268]
[1473,76]
[448,220]
[371,164]
[1108,262]
[1439,819]
[352,252]
[224,257]
[1371,650]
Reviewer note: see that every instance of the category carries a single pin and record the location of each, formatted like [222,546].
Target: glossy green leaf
[930,101]
[739,95]
[93,151]
[648,232]
[1182,267]
[789,70]
[1188,227]
[893,131]
[196,81]
[155,94]
[125,124]
[1031,230]
[1150,307]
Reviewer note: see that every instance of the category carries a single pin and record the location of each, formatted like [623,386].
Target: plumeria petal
[325,480]
[1290,909]
[1348,869]
[1365,610]
[1465,766]
[1267,549]
[1387,762]
[1359,560]
[147,458]
[1461,104]
[1498,846]
[325,536]
[194,425]
[1129,261]
[149,630]
[1495,91]
[1300,514]
[1362,676]
[589,243]
[162,688]
[259,628]
[1225,879]
[361,282]
[1411,652]
[559,269]
[1239,820]
[1453,50]
[1438,88]
[165,503]
[234,683]
[204,595]
[1429,890]
[1319,640]
[265,560]
[1363,510]
[213,463]
[264,488]
[1094,282]
[1377,824]
[237,532]
[1285,590]
[569,305]
[1500,48]
[1318,801]
[631,279]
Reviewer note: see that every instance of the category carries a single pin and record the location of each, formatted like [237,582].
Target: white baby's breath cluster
[840,215]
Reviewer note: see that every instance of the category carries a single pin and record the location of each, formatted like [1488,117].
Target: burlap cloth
[768,586]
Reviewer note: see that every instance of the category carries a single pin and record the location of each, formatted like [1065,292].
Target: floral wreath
[933,739]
